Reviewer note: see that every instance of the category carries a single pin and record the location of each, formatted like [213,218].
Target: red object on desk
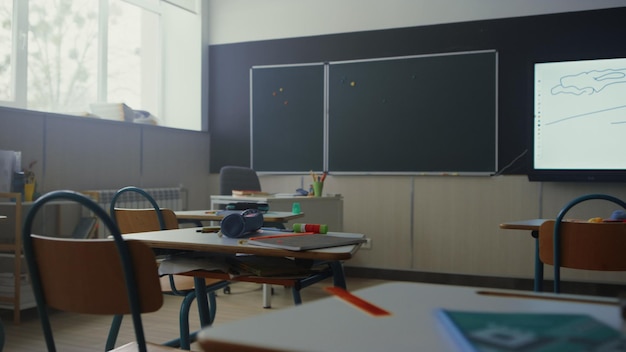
[279,236]
[357,301]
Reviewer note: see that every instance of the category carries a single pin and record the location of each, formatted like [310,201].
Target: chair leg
[185,307]
[113,332]
[208,313]
[212,306]
[538,284]
[297,298]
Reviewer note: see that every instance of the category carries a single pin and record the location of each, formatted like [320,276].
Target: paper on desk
[285,195]
[182,264]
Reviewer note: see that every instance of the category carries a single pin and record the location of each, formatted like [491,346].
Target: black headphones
[237,225]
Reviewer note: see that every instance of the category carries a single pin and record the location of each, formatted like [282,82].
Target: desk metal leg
[339,278]
[267,296]
[538,264]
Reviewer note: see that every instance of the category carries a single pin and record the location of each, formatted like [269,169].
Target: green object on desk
[489,331]
[318,187]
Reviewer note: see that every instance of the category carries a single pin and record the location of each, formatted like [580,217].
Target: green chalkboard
[417,114]
[421,114]
[287,118]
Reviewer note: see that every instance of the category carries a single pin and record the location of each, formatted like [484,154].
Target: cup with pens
[318,183]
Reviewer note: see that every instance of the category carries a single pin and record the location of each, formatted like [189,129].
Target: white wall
[232,21]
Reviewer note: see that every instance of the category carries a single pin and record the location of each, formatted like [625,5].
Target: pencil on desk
[209,229]
[538,296]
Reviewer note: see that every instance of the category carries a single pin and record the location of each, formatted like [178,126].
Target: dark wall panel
[519,41]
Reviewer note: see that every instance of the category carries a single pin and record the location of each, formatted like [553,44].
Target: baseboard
[582,288]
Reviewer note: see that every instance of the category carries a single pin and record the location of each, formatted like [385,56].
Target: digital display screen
[580,116]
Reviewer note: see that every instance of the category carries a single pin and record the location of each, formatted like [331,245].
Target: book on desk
[244,193]
[304,241]
[515,331]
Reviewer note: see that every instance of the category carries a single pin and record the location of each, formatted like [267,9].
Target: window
[6,62]
[69,56]
[62,55]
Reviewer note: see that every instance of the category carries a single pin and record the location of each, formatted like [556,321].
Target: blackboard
[287,118]
[417,114]
[428,114]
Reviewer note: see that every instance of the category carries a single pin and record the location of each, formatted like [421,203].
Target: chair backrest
[580,245]
[102,276]
[82,276]
[141,220]
[238,178]
[585,245]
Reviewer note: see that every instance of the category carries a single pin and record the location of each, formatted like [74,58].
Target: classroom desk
[531,225]
[187,239]
[213,215]
[197,216]
[332,324]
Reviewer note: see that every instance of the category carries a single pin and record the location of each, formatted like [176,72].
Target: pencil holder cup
[29,191]
[318,187]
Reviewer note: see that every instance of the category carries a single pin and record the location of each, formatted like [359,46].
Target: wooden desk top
[265,197]
[189,239]
[531,225]
[331,324]
[212,215]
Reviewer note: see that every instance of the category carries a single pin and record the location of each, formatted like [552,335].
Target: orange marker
[357,301]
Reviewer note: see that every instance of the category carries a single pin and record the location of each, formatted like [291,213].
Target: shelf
[14,279]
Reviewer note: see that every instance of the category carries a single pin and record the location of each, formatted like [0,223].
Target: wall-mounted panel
[174,157]
[429,114]
[89,154]
[287,118]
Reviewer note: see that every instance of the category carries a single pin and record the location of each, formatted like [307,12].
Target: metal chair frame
[123,250]
[557,232]
[186,338]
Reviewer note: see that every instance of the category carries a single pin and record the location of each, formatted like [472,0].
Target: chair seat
[183,283]
[152,347]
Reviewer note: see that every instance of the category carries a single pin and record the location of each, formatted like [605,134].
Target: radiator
[174,198]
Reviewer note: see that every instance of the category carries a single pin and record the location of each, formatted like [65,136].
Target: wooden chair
[91,276]
[155,219]
[582,245]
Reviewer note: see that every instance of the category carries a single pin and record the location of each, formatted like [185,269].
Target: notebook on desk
[303,242]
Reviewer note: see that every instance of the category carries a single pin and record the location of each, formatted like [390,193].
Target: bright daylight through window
[102,59]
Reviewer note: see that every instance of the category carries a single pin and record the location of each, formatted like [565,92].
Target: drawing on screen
[589,83]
